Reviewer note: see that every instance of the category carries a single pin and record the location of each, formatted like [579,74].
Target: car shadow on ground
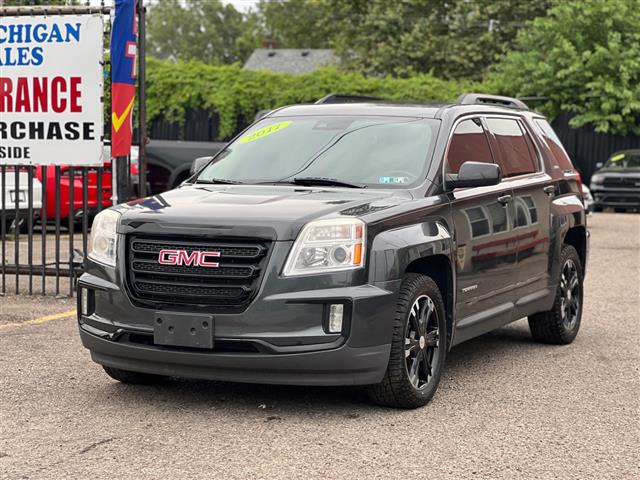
[501,345]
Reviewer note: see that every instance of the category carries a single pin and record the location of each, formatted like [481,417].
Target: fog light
[336,312]
[84,301]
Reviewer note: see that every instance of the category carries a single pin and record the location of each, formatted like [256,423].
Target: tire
[399,388]
[560,325]
[597,208]
[620,210]
[133,378]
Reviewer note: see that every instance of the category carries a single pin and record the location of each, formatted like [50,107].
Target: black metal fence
[44,225]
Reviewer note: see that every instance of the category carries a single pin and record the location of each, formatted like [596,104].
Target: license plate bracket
[183,330]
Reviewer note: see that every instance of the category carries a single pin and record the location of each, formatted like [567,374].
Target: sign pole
[142,110]
[121,179]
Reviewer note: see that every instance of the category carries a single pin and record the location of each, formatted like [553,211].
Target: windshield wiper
[213,181]
[333,182]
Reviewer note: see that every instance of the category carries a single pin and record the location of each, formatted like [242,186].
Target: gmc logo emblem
[182,257]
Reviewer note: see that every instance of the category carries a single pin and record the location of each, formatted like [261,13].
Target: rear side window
[558,152]
[468,144]
[515,148]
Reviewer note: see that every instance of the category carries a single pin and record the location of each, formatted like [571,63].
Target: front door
[485,247]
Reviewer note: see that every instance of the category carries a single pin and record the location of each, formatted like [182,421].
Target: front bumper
[341,366]
[616,197]
[280,338]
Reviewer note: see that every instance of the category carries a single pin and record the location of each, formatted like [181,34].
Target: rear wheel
[134,378]
[418,346]
[560,325]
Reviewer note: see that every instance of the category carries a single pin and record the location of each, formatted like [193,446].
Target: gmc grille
[230,286]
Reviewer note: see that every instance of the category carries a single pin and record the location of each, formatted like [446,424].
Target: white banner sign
[51,88]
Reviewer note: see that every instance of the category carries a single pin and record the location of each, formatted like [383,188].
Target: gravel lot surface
[506,408]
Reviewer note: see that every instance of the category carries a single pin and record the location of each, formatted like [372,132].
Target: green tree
[205,30]
[583,58]
[297,23]
[453,39]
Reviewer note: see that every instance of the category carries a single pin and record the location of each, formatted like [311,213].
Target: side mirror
[198,164]
[474,174]
[599,165]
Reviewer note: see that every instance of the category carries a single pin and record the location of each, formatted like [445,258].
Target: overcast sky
[241,5]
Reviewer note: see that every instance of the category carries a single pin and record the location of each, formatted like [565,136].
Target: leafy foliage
[233,93]
[297,23]
[206,30]
[584,58]
[453,39]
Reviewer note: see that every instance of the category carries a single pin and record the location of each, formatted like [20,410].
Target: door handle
[504,199]
[549,189]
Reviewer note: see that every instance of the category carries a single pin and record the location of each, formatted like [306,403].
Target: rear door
[485,259]
[533,190]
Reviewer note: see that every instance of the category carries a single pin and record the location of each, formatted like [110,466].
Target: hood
[616,172]
[250,210]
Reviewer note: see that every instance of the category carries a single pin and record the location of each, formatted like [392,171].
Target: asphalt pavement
[507,408]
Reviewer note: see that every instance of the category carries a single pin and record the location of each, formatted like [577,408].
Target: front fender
[567,213]
[393,250]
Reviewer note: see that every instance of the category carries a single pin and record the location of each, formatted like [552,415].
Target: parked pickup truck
[343,244]
[616,184]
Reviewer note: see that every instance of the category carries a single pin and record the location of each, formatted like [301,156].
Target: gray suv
[343,244]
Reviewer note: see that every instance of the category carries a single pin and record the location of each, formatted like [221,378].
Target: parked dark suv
[343,244]
[617,183]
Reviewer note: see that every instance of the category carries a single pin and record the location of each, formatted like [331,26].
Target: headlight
[597,179]
[327,246]
[104,239]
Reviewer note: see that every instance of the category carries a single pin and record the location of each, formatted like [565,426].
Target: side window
[557,150]
[514,147]
[468,144]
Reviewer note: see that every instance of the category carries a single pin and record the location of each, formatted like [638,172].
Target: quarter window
[557,150]
[468,144]
[514,147]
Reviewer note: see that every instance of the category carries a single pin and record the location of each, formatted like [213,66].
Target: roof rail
[481,98]
[346,98]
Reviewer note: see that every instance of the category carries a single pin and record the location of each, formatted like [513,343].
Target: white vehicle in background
[587,198]
[17,196]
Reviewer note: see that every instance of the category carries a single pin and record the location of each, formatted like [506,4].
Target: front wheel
[560,325]
[418,346]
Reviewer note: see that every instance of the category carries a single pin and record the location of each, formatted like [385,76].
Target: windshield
[371,151]
[624,160]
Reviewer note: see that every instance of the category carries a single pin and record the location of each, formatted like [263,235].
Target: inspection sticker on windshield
[263,132]
[393,180]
